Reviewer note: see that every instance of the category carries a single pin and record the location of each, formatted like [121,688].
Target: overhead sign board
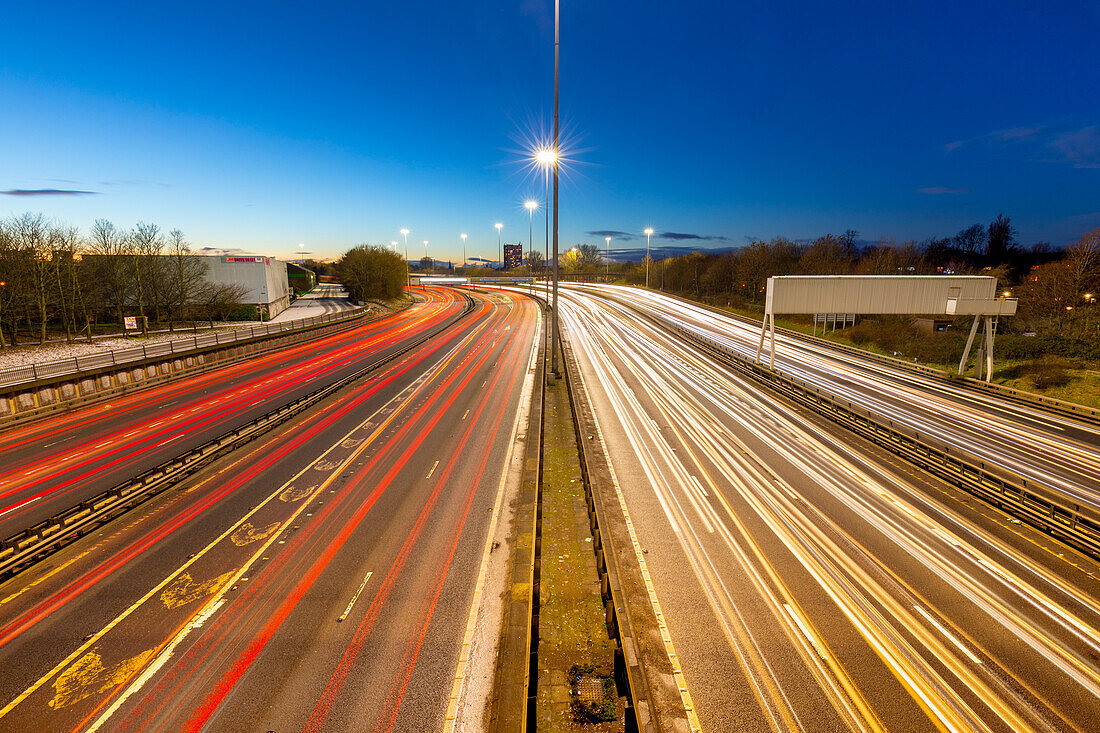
[879,294]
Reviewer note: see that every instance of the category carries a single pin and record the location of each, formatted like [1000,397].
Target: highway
[320,578]
[1055,451]
[812,582]
[52,464]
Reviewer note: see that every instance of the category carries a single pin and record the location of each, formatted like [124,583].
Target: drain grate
[589,689]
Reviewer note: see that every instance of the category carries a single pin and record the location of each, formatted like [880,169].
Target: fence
[30,373]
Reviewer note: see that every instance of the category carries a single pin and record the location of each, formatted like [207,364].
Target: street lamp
[547,158]
[531,205]
[408,276]
[500,251]
[607,259]
[463,250]
[648,234]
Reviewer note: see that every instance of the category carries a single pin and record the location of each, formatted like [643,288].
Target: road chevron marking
[94,638]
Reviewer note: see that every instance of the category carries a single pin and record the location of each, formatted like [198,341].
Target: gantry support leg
[969,343]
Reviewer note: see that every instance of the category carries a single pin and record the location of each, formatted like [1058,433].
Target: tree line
[1057,290]
[54,279]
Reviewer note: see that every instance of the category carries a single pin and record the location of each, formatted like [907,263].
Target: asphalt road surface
[1052,450]
[55,463]
[812,582]
[320,578]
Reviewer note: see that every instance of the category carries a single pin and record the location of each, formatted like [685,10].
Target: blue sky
[265,125]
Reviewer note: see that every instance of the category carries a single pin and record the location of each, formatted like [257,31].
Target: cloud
[941,190]
[46,192]
[1080,147]
[681,236]
[1072,141]
[613,233]
[1005,136]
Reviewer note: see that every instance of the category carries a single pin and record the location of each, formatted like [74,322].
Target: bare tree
[850,236]
[1083,261]
[971,239]
[219,300]
[183,280]
[534,260]
[148,268]
[65,247]
[828,255]
[32,238]
[590,256]
[1002,239]
[10,276]
[109,249]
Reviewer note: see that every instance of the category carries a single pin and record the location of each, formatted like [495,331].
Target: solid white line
[355,597]
[806,632]
[950,637]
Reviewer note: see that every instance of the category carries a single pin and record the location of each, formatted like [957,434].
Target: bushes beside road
[371,273]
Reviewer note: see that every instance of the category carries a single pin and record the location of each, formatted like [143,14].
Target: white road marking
[355,597]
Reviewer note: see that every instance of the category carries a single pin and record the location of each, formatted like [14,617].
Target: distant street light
[463,250]
[500,252]
[408,275]
[607,259]
[648,234]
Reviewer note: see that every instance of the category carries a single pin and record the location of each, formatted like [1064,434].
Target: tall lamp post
[607,259]
[408,275]
[531,205]
[557,158]
[463,250]
[500,254]
[648,234]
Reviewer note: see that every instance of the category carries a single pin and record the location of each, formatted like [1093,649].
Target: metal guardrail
[14,376]
[48,536]
[1039,506]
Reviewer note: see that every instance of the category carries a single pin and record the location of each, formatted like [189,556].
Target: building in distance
[513,256]
[263,278]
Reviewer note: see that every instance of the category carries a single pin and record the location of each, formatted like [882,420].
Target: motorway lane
[1051,450]
[811,583]
[383,496]
[51,465]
